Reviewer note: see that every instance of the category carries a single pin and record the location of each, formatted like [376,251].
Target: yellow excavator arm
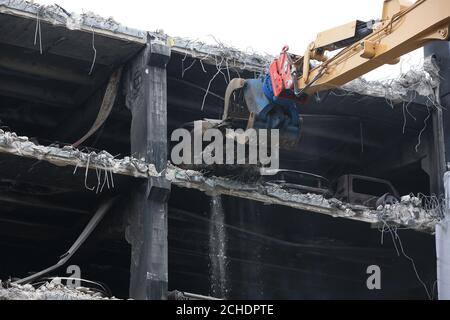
[403,27]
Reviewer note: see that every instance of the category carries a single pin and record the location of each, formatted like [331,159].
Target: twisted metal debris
[221,54]
[413,211]
[419,80]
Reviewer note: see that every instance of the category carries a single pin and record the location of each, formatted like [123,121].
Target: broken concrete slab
[410,215]
[92,23]
[422,80]
[221,55]
[11,143]
[58,16]
[406,213]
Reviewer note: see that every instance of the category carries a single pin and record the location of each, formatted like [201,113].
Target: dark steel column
[439,51]
[146,93]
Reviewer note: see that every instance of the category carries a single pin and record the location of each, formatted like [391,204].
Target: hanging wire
[38,33]
[95,51]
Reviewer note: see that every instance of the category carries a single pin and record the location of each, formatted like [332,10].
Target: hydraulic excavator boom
[403,28]
[272,102]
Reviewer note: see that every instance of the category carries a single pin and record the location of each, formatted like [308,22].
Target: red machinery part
[280,73]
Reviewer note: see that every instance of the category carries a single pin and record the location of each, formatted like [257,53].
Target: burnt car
[366,191]
[299,181]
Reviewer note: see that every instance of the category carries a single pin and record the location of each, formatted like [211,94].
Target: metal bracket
[159,189]
[158,54]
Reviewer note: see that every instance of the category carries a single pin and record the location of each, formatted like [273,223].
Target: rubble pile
[53,290]
[410,212]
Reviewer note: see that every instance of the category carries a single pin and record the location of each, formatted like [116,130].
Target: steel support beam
[440,52]
[146,97]
[443,247]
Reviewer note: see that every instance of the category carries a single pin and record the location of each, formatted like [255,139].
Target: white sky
[259,25]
